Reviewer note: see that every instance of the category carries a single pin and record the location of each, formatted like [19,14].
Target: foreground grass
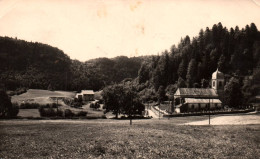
[116,139]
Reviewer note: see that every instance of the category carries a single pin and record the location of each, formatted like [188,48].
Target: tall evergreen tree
[192,73]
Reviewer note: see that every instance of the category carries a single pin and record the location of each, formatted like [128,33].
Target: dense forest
[37,65]
[234,51]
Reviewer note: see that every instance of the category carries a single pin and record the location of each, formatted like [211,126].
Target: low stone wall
[209,113]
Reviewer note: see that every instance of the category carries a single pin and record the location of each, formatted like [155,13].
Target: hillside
[235,52]
[40,66]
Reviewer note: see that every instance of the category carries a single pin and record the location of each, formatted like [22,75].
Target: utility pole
[159,109]
[209,111]
[57,104]
[131,109]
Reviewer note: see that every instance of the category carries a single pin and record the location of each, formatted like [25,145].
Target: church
[201,99]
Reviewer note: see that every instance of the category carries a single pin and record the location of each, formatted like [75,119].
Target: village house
[199,99]
[85,95]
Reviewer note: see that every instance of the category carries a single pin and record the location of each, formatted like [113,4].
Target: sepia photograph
[129,79]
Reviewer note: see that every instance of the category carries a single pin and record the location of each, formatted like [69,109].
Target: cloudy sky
[87,29]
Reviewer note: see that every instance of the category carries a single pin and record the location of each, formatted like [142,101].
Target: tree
[112,96]
[181,83]
[6,107]
[122,99]
[161,94]
[143,74]
[182,70]
[233,94]
[192,73]
[222,63]
[204,83]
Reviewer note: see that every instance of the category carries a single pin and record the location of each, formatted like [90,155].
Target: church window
[220,84]
[213,83]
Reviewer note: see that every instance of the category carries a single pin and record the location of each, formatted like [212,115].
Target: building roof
[217,75]
[196,93]
[87,92]
[206,101]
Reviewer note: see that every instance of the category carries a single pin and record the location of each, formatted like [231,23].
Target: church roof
[196,101]
[196,92]
[217,75]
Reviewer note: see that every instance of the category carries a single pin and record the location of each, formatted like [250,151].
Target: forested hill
[234,51]
[37,65]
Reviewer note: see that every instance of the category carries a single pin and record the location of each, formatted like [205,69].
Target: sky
[87,29]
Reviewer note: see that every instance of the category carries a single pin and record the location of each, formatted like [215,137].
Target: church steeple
[217,80]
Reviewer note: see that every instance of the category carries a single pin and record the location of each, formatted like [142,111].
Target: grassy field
[117,139]
[40,96]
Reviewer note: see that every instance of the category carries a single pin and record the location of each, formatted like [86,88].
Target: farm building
[198,99]
[85,95]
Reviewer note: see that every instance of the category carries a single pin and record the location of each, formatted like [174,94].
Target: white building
[85,95]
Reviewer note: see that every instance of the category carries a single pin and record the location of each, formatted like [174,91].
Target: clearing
[41,96]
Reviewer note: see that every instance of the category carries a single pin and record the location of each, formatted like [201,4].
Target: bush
[82,114]
[68,113]
[50,112]
[41,111]
[7,109]
[75,103]
[59,113]
[29,106]
[13,111]
[95,105]
[37,106]
[92,105]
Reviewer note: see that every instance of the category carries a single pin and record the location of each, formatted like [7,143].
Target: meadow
[108,138]
[41,96]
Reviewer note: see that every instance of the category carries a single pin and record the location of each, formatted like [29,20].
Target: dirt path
[151,113]
[230,120]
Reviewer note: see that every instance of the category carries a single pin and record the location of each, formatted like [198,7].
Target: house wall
[203,106]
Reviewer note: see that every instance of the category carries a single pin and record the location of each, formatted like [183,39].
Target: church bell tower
[217,83]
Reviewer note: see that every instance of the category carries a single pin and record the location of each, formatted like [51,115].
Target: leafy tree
[122,99]
[113,99]
[233,95]
[6,107]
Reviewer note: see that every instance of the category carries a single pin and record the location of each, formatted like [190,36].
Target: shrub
[95,105]
[75,103]
[49,112]
[7,109]
[29,106]
[82,114]
[13,111]
[92,105]
[68,113]
[41,111]
[59,113]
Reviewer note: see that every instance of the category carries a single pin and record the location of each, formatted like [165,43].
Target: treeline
[98,73]
[37,65]
[235,52]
